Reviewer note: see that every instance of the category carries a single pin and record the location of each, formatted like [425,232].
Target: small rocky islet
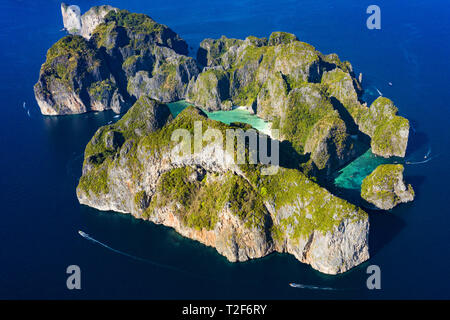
[114,59]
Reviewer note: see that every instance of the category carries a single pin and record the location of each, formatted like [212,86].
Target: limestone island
[385,187]
[114,59]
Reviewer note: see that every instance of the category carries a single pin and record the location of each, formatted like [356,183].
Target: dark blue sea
[41,160]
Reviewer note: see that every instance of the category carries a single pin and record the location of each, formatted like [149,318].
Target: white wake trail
[88,237]
[310,287]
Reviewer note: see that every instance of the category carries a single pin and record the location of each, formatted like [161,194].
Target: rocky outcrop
[92,18]
[207,197]
[211,90]
[76,78]
[122,57]
[71,18]
[279,80]
[166,80]
[385,187]
[266,76]
[83,25]
[388,132]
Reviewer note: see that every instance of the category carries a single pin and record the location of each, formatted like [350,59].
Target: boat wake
[24,106]
[163,266]
[421,162]
[310,287]
[426,157]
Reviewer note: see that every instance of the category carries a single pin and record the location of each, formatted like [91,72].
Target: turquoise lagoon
[237,114]
[349,177]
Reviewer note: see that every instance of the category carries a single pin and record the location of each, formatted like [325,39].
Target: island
[127,62]
[386,188]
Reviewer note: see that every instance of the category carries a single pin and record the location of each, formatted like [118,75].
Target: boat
[83,234]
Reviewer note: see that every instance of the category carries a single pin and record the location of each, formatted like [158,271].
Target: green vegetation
[141,30]
[207,85]
[311,207]
[383,179]
[385,187]
[135,22]
[339,84]
[381,122]
[333,58]
[64,58]
[139,198]
[96,181]
[105,34]
[302,114]
[101,89]
[379,187]
[130,61]
[277,38]
[201,201]
[198,198]
[217,48]
[169,70]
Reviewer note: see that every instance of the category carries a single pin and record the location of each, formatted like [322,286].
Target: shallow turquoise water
[177,107]
[235,115]
[351,176]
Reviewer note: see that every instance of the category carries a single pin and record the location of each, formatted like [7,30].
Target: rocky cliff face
[388,131]
[83,25]
[130,167]
[279,80]
[267,75]
[76,78]
[114,59]
[385,187]
[71,18]
[92,18]
[120,56]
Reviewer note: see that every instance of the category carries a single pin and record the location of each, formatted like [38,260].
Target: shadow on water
[417,141]
[289,157]
[345,115]
[384,227]
[416,182]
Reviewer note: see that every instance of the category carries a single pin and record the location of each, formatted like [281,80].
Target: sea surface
[126,258]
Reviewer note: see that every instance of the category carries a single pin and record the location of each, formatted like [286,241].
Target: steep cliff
[71,18]
[120,57]
[385,187]
[266,76]
[388,132]
[279,80]
[130,167]
[76,78]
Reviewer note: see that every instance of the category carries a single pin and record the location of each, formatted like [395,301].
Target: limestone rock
[389,131]
[385,187]
[122,57]
[75,79]
[210,90]
[92,18]
[206,197]
[280,80]
[71,18]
